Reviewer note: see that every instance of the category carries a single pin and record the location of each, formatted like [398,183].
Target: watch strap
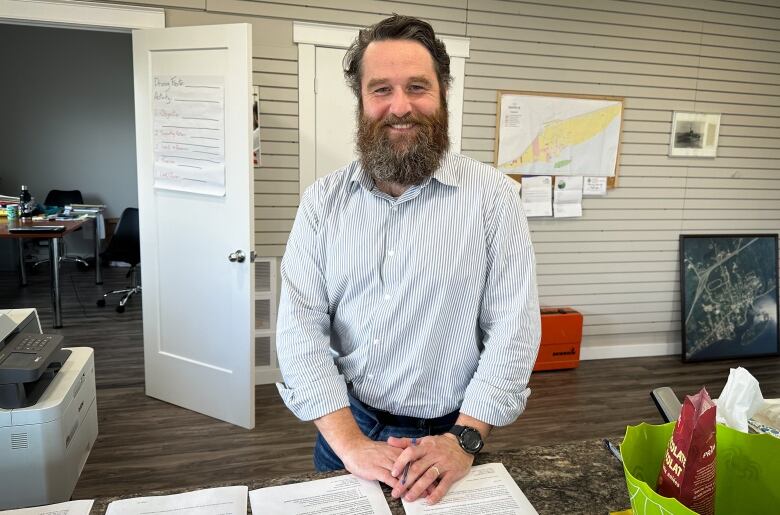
[459,431]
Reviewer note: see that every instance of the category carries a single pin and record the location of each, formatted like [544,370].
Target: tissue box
[561,339]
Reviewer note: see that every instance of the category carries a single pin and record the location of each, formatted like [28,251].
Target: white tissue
[740,399]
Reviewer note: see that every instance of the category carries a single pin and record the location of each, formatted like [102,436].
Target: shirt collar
[359,176]
[445,174]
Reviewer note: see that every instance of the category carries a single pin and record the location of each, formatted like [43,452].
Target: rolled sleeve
[509,320]
[312,384]
[494,405]
[316,399]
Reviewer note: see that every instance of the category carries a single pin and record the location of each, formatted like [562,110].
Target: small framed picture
[694,134]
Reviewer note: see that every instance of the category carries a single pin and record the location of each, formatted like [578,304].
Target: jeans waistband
[388,419]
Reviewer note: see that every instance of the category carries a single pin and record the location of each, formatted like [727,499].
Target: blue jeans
[368,422]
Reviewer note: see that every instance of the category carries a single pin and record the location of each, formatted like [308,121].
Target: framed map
[547,134]
[729,300]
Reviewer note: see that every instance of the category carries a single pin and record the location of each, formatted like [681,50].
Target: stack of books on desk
[87,207]
[6,199]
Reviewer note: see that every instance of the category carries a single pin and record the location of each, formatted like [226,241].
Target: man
[409,318]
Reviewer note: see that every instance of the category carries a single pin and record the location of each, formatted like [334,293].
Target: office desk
[54,253]
[578,477]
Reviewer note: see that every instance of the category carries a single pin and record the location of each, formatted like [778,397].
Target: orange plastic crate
[561,339]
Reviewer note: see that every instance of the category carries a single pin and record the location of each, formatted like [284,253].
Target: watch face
[471,440]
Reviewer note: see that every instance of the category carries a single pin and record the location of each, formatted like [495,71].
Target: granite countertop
[571,478]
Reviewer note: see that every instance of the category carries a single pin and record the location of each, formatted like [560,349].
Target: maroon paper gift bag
[688,470]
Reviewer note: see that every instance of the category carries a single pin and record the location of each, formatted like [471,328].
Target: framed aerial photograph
[728,296]
[694,134]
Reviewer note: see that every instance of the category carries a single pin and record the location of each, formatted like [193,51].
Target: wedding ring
[436,469]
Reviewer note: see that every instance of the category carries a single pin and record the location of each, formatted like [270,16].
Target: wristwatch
[469,438]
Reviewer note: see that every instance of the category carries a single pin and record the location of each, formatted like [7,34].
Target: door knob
[237,256]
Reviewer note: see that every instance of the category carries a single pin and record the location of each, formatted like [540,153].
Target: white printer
[48,413]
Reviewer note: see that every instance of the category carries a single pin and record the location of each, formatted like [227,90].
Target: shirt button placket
[391,251]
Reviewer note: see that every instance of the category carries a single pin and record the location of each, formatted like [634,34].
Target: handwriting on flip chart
[189,133]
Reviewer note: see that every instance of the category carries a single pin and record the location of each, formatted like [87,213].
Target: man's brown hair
[397,27]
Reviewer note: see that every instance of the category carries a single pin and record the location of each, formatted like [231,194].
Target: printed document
[567,200]
[487,489]
[228,500]
[536,196]
[340,495]
[63,508]
[594,186]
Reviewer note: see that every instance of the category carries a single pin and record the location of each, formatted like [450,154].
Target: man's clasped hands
[434,464]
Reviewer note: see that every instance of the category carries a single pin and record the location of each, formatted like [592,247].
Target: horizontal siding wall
[275,67]
[618,264]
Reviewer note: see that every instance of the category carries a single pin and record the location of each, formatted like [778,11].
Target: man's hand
[436,462]
[370,460]
[361,456]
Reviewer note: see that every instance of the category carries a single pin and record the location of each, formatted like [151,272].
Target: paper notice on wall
[536,196]
[567,199]
[594,186]
[189,133]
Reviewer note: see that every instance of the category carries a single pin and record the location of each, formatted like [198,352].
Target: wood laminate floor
[145,444]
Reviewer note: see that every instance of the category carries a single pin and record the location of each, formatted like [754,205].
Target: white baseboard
[630,351]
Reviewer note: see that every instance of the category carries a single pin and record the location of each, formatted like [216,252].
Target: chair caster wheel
[101,303]
[120,309]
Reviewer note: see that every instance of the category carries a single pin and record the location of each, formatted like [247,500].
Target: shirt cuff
[317,399]
[492,405]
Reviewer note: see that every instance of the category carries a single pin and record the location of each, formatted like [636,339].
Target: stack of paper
[91,209]
[487,490]
[228,500]
[335,495]
[63,508]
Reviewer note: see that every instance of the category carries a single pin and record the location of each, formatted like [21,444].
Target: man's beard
[406,159]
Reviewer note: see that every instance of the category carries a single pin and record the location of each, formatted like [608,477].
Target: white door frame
[310,35]
[81,15]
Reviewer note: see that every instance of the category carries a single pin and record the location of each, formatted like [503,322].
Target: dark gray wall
[67,119]
[67,114]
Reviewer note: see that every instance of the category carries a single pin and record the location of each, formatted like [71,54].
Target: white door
[198,311]
[335,113]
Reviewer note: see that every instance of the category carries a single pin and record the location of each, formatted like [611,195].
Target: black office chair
[62,198]
[125,246]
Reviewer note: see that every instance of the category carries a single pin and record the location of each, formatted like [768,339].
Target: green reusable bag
[747,467]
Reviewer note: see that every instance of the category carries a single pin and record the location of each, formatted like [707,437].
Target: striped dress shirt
[421,305]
